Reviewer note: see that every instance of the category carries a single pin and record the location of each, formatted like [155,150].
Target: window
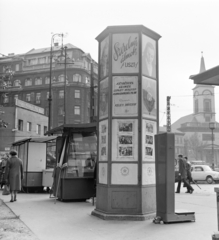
[207,105]
[198,169]
[15,97]
[87,79]
[32,61]
[5,98]
[38,81]
[196,106]
[47,95]
[77,110]
[20,125]
[38,96]
[61,78]
[61,110]
[61,94]
[76,78]
[17,83]
[77,93]
[17,67]
[45,129]
[28,97]
[38,129]
[28,126]
[47,80]
[42,60]
[28,82]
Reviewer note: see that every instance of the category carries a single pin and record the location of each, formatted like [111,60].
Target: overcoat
[15,173]
[182,168]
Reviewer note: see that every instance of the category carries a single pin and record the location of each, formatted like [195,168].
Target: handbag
[6,190]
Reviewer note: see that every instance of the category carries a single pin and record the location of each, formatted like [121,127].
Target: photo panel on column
[104,98]
[125,140]
[104,58]
[103,173]
[103,140]
[125,96]
[148,173]
[149,61]
[149,98]
[124,173]
[148,139]
[125,53]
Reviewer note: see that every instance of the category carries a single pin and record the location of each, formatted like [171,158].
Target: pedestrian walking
[189,174]
[183,175]
[15,167]
[3,171]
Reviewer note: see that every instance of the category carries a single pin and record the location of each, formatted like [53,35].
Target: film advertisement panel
[103,173]
[104,94]
[104,58]
[148,173]
[149,57]
[149,98]
[125,96]
[124,173]
[103,140]
[125,53]
[148,141]
[125,140]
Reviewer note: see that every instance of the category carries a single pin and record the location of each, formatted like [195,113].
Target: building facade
[31,82]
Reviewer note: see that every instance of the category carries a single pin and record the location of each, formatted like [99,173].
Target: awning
[34,139]
[209,77]
[73,128]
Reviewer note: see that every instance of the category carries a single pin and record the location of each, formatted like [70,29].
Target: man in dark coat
[188,172]
[183,175]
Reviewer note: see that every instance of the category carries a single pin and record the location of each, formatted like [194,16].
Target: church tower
[203,100]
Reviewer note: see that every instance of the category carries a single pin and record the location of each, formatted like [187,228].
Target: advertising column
[128,105]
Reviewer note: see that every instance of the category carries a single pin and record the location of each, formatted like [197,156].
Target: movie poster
[103,173]
[125,53]
[124,140]
[104,93]
[149,98]
[104,58]
[148,174]
[124,173]
[103,140]
[148,141]
[125,96]
[149,57]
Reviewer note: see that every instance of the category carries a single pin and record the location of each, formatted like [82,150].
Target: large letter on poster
[125,96]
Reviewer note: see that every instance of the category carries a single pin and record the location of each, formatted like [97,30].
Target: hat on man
[180,155]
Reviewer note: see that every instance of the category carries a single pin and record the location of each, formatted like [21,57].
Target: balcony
[11,89]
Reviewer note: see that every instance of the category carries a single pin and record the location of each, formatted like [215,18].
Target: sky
[187,28]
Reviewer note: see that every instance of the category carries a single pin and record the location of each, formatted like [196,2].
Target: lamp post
[212,126]
[50,82]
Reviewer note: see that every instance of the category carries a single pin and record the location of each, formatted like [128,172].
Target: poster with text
[104,94]
[125,53]
[149,98]
[103,140]
[124,173]
[125,96]
[148,140]
[124,140]
[104,58]
[148,174]
[103,173]
[149,57]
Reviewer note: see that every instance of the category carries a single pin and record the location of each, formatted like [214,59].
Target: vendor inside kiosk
[75,170]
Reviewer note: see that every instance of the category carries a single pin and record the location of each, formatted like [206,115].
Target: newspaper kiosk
[75,172]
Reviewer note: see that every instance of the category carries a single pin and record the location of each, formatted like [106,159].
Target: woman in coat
[15,166]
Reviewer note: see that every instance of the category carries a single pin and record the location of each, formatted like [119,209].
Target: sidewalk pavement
[54,220]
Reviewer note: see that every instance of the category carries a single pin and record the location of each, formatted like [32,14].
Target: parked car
[204,173]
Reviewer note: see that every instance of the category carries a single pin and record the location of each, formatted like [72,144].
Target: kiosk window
[82,153]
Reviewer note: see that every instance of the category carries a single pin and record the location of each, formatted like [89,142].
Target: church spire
[202,65]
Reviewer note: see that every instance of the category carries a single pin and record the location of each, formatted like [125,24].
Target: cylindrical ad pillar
[128,120]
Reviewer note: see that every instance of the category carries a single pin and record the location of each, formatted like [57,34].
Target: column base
[106,216]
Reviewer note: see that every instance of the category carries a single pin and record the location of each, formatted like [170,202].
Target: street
[55,220]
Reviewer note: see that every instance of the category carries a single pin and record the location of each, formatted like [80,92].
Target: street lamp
[50,82]
[212,126]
